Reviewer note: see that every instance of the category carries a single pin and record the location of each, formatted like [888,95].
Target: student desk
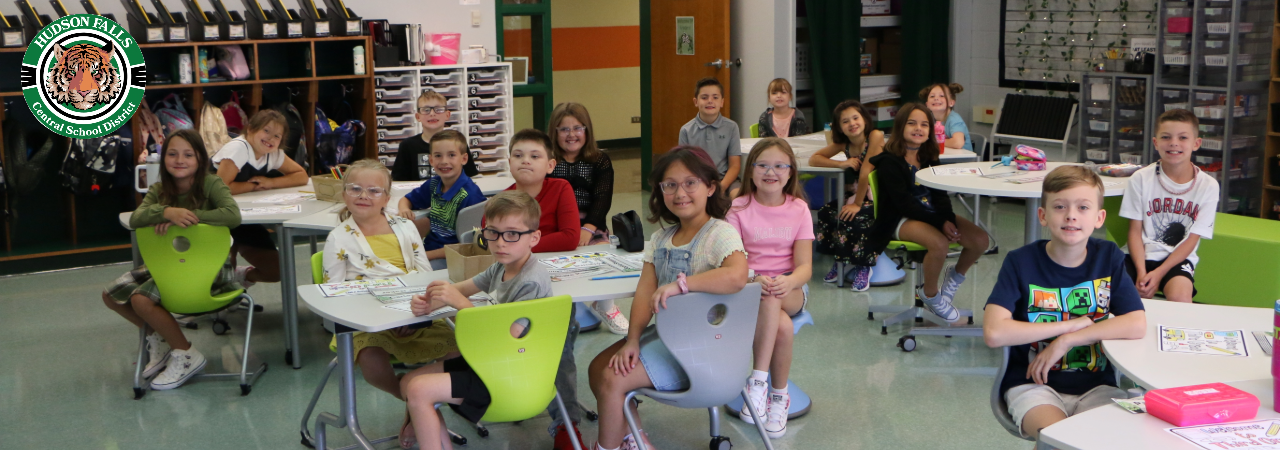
[352,313]
[1110,427]
[1142,361]
[969,184]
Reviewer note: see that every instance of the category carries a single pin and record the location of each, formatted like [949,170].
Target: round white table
[1142,361]
[1002,187]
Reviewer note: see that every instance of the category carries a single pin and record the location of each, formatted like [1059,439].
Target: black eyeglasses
[491,234]
[429,110]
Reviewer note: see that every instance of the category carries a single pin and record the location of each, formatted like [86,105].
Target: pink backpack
[234,115]
[231,62]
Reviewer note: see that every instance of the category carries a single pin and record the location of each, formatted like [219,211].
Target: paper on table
[1026,180]
[589,259]
[1133,405]
[281,199]
[813,137]
[439,312]
[405,185]
[396,294]
[269,210]
[1111,183]
[952,171]
[356,287]
[1255,435]
[626,263]
[1203,342]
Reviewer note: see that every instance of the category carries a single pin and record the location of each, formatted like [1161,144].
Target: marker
[611,277]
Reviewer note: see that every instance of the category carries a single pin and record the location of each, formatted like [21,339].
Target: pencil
[1222,350]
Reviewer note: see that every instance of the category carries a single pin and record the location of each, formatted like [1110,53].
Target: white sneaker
[158,350]
[757,391]
[242,276]
[775,424]
[183,364]
[612,318]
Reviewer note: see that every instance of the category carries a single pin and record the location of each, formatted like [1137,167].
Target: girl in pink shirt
[773,218]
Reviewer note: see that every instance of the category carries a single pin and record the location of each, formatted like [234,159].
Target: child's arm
[684,137]
[822,158]
[418,198]
[800,126]
[802,259]
[227,171]
[729,278]
[565,237]
[293,176]
[641,313]
[335,268]
[864,172]
[731,175]
[1138,253]
[1127,326]
[1148,282]
[226,212]
[150,212]
[999,329]
[441,293]
[956,140]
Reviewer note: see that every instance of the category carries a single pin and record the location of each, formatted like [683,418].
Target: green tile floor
[66,367]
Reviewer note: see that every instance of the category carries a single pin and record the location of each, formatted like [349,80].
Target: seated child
[254,162]
[780,119]
[715,134]
[773,219]
[911,212]
[1056,365]
[446,193]
[512,233]
[432,111]
[531,161]
[700,253]
[369,243]
[843,229]
[1164,203]
[950,129]
[186,195]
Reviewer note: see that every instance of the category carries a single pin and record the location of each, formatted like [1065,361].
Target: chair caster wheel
[257,308]
[721,443]
[482,431]
[870,316]
[884,330]
[970,321]
[592,416]
[245,389]
[191,326]
[458,440]
[306,440]
[138,393]
[221,327]
[919,320]
[907,343]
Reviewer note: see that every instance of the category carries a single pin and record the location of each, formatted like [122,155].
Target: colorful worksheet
[1133,405]
[1203,342]
[1253,435]
[284,199]
[270,210]
[405,185]
[1027,180]
[632,262]
[396,294]
[357,287]
[952,171]
[579,265]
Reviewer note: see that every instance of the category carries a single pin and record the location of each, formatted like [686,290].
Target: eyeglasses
[356,190]
[576,129]
[429,109]
[490,234]
[764,168]
[669,187]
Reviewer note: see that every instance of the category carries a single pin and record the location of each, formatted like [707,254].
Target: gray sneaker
[939,306]
[951,281]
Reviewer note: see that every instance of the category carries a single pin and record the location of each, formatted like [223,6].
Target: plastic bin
[393,94]
[1201,404]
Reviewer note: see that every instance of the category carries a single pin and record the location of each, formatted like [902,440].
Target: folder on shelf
[175,24]
[315,23]
[290,20]
[259,23]
[204,24]
[230,23]
[342,20]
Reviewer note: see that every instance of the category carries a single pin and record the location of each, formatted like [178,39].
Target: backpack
[231,62]
[629,230]
[213,128]
[91,165]
[234,114]
[335,146]
[24,166]
[294,143]
[152,134]
[172,115]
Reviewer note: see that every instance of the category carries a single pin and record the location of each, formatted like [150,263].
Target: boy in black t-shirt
[1051,302]
[411,159]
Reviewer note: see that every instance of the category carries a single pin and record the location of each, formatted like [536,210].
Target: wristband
[682,283]
[588,230]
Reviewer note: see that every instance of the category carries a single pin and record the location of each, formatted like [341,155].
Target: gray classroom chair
[1000,408]
[469,221]
[710,354]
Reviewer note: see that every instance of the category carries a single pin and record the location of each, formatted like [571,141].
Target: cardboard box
[466,261]
[328,188]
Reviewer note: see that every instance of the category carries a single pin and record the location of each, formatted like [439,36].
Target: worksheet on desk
[357,287]
[1203,342]
[953,171]
[284,199]
[1253,435]
[270,210]
[581,265]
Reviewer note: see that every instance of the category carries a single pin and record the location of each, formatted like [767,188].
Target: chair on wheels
[710,336]
[801,403]
[519,372]
[910,254]
[184,262]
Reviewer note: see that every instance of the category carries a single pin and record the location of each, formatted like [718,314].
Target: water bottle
[358,56]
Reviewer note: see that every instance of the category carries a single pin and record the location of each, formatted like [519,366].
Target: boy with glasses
[432,112]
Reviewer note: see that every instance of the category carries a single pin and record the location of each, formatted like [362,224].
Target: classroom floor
[65,380]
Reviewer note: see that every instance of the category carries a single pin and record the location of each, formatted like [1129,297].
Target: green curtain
[926,49]
[833,53]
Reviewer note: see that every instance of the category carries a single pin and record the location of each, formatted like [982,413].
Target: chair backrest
[184,263]
[469,219]
[873,184]
[979,145]
[520,373]
[998,406]
[755,130]
[710,353]
[317,268]
[1117,227]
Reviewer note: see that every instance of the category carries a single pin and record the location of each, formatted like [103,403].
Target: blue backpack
[334,146]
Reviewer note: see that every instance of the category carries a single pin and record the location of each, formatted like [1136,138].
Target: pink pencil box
[1201,404]
[1029,158]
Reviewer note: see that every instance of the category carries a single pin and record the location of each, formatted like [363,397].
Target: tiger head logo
[83,75]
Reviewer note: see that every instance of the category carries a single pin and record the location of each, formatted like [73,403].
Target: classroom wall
[975,41]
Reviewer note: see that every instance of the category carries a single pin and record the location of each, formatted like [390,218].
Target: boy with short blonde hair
[432,111]
[1055,301]
[1170,205]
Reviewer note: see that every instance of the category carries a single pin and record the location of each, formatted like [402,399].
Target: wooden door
[674,76]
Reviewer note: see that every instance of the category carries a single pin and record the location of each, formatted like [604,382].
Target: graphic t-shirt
[769,233]
[1036,289]
[1169,219]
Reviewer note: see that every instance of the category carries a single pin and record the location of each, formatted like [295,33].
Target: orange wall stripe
[586,48]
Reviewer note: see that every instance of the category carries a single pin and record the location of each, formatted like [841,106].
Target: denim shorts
[663,368]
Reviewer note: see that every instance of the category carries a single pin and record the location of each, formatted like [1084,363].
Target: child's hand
[625,360]
[443,292]
[781,286]
[1148,283]
[660,295]
[1047,359]
[853,163]
[407,213]
[181,216]
[584,237]
[162,228]
[403,332]
[262,183]
[951,232]
[847,212]
[1080,323]
[420,305]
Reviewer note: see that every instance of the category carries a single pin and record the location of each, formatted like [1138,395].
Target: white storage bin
[388,148]
[487,129]
[488,141]
[393,80]
[394,107]
[1131,158]
[405,120]
[1130,113]
[486,90]
[1126,144]
[1175,59]
[1096,110]
[441,78]
[486,76]
[394,134]
[1225,27]
[1097,154]
[393,94]
[488,116]
[447,92]
[1172,106]
[1095,141]
[1099,125]
[487,103]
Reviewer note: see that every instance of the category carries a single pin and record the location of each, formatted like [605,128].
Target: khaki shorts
[1023,398]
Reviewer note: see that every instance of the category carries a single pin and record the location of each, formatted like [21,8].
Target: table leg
[840,204]
[289,296]
[346,400]
[1032,225]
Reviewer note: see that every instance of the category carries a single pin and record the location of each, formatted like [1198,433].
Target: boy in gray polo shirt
[714,133]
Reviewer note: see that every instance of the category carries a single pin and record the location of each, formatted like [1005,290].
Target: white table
[1110,427]
[1142,361]
[999,187]
[365,313]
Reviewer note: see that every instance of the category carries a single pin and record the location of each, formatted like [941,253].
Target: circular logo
[83,76]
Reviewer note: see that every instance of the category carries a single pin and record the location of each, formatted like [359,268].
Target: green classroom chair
[184,262]
[755,130]
[520,373]
[1117,227]
[909,255]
